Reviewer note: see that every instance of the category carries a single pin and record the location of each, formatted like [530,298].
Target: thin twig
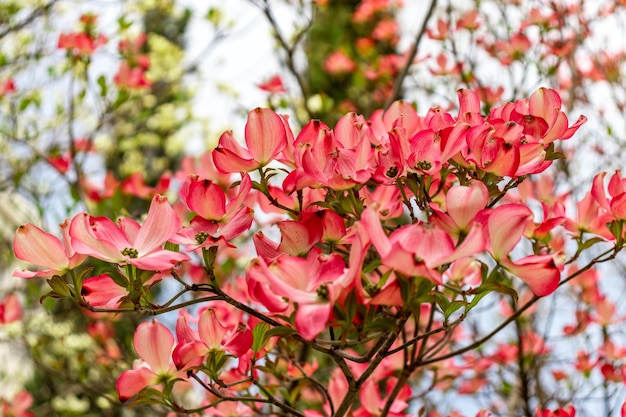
[40,11]
[397,85]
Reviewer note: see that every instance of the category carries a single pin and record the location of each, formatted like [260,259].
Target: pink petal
[10,309]
[297,237]
[597,191]
[230,157]
[370,398]
[266,248]
[287,277]
[311,319]
[131,382]
[239,342]
[204,198]
[101,290]
[404,111]
[33,245]
[189,354]
[184,333]
[260,292]
[557,129]
[539,272]
[242,194]
[130,228]
[210,329]
[418,239]
[333,226]
[616,184]
[265,135]
[454,141]
[161,260]
[153,343]
[238,224]
[573,128]
[468,102]
[473,244]
[463,203]
[98,237]
[506,225]
[348,130]
[21,273]
[543,103]
[374,230]
[160,225]
[618,207]
[389,295]
[65,229]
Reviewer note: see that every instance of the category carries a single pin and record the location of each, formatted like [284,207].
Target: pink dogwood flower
[216,222]
[265,136]
[211,336]
[411,250]
[616,204]
[315,283]
[128,242]
[33,245]
[505,226]
[10,309]
[154,344]
[18,406]
[102,291]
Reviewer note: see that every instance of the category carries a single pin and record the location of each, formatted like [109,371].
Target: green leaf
[375,263]
[148,396]
[589,243]
[616,227]
[59,287]
[476,300]
[123,23]
[441,300]
[215,16]
[215,361]
[489,287]
[260,336]
[102,83]
[453,307]
[281,331]
[122,97]
[174,247]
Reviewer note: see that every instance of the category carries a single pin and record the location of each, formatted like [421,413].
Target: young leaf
[260,336]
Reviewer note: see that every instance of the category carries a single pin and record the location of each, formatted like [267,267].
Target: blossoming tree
[352,268]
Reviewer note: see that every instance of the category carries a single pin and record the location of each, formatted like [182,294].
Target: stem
[391,397]
[606,396]
[289,53]
[603,257]
[40,11]
[273,401]
[154,311]
[523,375]
[355,386]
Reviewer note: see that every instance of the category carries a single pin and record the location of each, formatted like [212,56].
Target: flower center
[392,172]
[322,292]
[130,252]
[201,237]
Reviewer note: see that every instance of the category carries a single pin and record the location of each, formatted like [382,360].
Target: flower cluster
[387,227]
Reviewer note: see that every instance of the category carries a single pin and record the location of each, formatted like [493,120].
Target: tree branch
[397,85]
